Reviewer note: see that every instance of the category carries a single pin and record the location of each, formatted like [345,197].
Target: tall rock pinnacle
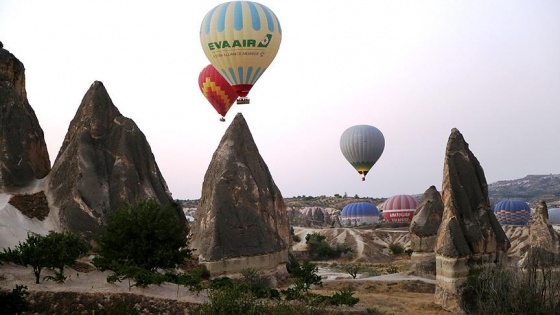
[469,234]
[241,211]
[23,152]
[104,163]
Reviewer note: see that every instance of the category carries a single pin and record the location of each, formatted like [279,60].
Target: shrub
[145,234]
[396,248]
[344,296]
[55,250]
[392,269]
[320,249]
[14,302]
[533,290]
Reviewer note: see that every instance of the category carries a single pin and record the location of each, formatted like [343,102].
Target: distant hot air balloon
[362,145]
[216,90]
[240,38]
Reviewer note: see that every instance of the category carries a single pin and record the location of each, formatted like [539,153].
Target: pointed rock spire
[544,241]
[241,211]
[104,163]
[469,234]
[23,152]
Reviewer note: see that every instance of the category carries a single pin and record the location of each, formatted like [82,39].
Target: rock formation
[423,232]
[544,246]
[23,152]
[241,221]
[104,163]
[470,234]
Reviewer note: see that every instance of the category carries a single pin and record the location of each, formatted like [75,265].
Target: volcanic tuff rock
[23,152]
[469,234]
[104,163]
[423,232]
[241,211]
[544,244]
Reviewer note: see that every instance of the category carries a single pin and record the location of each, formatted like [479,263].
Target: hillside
[530,188]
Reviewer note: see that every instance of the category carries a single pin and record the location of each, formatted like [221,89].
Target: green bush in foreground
[14,302]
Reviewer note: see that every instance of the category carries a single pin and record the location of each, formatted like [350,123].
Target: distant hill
[530,188]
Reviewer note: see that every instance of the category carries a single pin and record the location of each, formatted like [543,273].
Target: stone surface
[469,234]
[544,245]
[241,212]
[423,232]
[104,163]
[23,152]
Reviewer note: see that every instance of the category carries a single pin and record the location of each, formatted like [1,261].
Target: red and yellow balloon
[216,90]
[240,38]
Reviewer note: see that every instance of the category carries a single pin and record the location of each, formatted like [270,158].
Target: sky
[413,69]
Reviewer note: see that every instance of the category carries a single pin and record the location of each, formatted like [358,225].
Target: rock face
[423,232]
[23,152]
[241,221]
[104,163]
[544,245]
[470,234]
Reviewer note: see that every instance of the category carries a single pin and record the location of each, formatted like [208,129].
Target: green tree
[145,234]
[55,250]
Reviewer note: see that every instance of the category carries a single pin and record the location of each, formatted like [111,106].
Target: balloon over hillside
[240,38]
[362,146]
[512,212]
[399,208]
[216,90]
[359,213]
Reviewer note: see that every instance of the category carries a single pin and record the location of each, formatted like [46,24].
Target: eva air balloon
[362,146]
[240,38]
[216,90]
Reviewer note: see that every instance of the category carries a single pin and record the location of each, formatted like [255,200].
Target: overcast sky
[414,69]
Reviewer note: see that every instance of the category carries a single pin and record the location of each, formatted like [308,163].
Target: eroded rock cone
[470,234]
[544,244]
[241,221]
[104,163]
[423,232]
[23,152]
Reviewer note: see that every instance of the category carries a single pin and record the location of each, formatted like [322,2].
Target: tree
[55,250]
[146,235]
[353,269]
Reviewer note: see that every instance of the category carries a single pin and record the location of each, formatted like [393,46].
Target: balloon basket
[243,100]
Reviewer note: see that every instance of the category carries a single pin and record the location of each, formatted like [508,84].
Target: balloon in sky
[216,90]
[240,38]
[362,145]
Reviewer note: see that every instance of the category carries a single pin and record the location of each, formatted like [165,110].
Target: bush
[396,248]
[319,248]
[14,302]
[392,269]
[146,234]
[344,296]
[534,290]
[54,250]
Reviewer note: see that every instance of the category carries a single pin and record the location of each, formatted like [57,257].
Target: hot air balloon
[399,208]
[362,145]
[512,212]
[358,213]
[240,38]
[216,90]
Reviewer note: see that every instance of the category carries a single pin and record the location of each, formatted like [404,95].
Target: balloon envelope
[399,208]
[216,89]
[362,146]
[512,212]
[240,38]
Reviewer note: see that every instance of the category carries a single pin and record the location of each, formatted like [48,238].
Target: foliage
[14,302]
[319,248]
[120,308]
[55,250]
[353,269]
[532,290]
[344,297]
[396,248]
[146,234]
[305,275]
[392,269]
